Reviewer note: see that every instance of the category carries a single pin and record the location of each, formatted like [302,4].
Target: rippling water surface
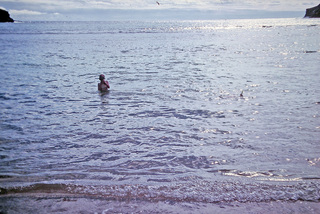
[173,125]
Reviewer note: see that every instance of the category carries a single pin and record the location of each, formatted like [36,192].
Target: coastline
[62,203]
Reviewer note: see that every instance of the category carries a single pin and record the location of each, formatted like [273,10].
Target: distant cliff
[313,12]
[5,17]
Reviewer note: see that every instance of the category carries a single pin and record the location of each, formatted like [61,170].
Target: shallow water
[173,126]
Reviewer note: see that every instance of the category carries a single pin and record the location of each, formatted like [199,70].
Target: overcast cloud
[60,9]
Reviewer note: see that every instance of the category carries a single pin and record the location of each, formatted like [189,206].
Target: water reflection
[104,97]
[215,108]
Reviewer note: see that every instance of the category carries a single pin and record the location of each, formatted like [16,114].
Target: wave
[198,191]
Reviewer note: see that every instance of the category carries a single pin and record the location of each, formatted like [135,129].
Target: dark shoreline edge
[5,16]
[71,204]
[313,12]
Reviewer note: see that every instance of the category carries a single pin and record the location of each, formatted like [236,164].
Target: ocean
[201,117]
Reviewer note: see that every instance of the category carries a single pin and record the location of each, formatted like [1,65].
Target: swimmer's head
[101,77]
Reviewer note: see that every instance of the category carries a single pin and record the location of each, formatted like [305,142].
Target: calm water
[173,126]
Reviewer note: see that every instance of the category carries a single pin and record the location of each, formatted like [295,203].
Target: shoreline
[70,203]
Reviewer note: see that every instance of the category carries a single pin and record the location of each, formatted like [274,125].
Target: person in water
[103,85]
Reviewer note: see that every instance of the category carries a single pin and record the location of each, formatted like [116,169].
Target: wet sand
[47,203]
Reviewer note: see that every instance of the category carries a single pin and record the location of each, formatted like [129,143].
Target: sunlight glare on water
[173,125]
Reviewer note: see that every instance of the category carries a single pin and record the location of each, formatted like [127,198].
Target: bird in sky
[158,3]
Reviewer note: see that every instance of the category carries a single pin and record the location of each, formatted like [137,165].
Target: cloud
[90,8]
[31,15]
[25,12]
[65,5]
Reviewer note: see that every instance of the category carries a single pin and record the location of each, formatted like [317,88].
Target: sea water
[198,111]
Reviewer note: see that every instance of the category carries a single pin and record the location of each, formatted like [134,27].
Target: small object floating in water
[241,95]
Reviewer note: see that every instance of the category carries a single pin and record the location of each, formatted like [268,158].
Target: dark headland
[5,17]
[313,12]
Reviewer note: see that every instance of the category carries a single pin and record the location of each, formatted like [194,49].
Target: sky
[94,10]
